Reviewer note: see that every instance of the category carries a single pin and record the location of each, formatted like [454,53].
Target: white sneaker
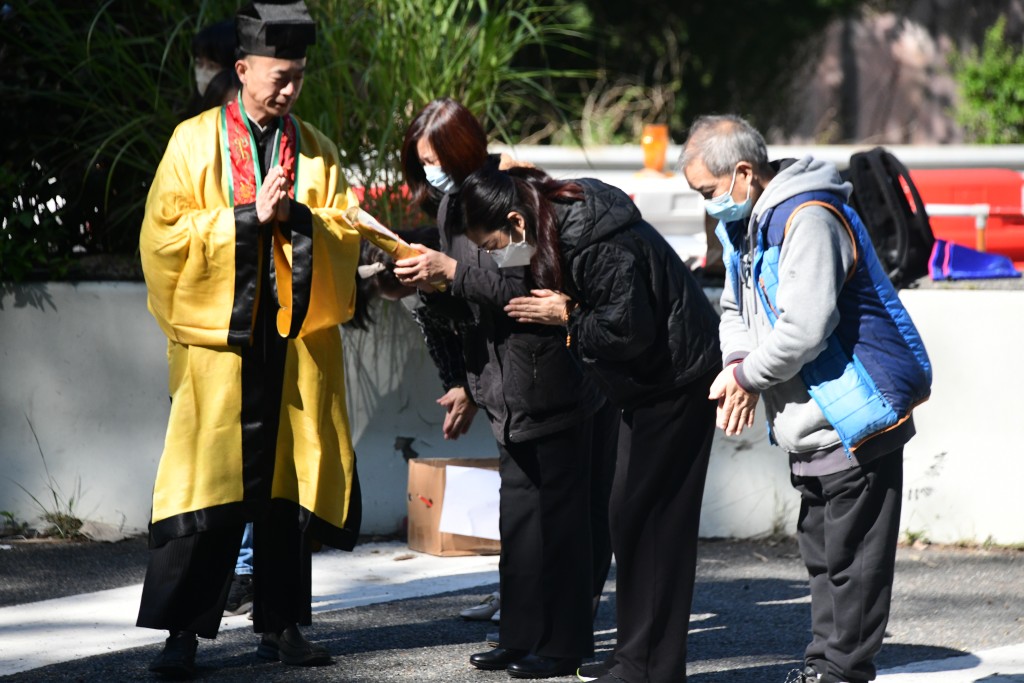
[487,609]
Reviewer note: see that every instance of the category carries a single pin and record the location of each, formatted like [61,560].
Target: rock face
[886,77]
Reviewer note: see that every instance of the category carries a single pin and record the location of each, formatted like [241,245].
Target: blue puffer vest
[875,369]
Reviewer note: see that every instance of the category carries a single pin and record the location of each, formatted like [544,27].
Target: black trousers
[546,566]
[655,517]
[604,447]
[188,578]
[848,530]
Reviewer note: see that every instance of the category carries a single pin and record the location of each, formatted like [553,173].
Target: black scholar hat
[275,29]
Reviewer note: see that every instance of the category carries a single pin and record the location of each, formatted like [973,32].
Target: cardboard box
[425,499]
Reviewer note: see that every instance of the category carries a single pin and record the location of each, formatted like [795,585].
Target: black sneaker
[239,596]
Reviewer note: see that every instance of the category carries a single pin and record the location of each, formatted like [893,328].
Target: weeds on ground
[58,514]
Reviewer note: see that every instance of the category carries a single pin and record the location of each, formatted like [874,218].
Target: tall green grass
[92,92]
[376,64]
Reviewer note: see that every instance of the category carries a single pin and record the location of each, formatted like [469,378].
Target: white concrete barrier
[83,384]
[83,370]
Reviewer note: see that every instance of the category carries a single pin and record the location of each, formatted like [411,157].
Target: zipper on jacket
[746,266]
[767,299]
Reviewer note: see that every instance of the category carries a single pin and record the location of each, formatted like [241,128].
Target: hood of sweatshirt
[796,176]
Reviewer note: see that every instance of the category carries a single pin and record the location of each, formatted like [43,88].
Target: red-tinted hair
[458,140]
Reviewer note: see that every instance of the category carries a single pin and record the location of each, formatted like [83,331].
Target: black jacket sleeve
[615,321]
[444,346]
[486,287]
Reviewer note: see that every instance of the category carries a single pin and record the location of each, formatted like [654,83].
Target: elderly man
[811,323]
[250,267]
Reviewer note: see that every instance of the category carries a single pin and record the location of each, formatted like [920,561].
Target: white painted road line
[999,665]
[104,622]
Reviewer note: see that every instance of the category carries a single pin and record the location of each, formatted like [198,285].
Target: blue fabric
[244,563]
[731,237]
[951,261]
[875,368]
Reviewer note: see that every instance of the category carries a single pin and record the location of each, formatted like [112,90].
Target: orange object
[654,143]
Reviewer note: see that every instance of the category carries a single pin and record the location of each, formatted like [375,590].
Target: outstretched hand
[427,268]
[545,306]
[735,404]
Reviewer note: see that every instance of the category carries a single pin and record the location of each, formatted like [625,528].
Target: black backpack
[901,233]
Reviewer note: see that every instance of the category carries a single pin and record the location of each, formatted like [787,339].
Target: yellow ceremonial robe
[203,262]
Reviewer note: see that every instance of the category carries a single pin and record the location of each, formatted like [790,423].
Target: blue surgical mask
[438,178]
[724,207]
[514,254]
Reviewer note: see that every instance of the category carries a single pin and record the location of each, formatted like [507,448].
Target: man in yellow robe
[250,269]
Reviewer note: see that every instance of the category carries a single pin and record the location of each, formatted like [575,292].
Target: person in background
[811,322]
[216,85]
[643,330]
[543,412]
[221,90]
[214,50]
[249,284]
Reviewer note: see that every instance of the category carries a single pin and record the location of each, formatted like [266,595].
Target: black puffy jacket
[522,375]
[643,325]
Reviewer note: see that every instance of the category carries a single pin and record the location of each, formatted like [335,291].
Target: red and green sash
[244,176]
[244,179]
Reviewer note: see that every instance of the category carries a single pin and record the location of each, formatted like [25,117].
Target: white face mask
[204,75]
[514,254]
[438,178]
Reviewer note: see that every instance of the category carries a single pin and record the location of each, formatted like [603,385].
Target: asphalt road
[750,618]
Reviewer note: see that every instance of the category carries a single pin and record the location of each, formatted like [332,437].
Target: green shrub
[991,85]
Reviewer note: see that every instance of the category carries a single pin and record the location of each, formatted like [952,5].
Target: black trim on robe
[247,267]
[346,537]
[262,386]
[189,523]
[300,222]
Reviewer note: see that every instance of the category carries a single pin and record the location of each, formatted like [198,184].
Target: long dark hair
[488,195]
[458,140]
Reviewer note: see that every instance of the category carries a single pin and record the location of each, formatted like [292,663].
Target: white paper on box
[470,502]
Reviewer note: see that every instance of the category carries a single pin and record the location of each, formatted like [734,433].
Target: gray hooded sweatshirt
[816,256]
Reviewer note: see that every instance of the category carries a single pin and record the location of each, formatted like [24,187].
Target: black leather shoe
[291,647]
[496,659]
[537,666]
[178,659]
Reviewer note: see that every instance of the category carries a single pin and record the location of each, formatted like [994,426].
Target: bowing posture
[642,329]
